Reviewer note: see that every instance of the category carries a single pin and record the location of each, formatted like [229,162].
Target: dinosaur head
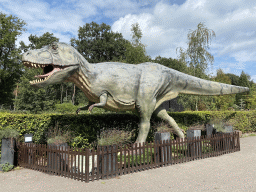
[58,61]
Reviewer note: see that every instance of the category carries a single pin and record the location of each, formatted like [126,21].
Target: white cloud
[227,65]
[243,56]
[253,77]
[164,25]
[68,16]
[24,38]
[234,23]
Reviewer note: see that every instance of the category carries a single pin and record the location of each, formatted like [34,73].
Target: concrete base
[7,151]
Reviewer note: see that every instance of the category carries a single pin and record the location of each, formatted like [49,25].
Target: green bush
[8,132]
[59,135]
[80,142]
[6,167]
[86,126]
[65,108]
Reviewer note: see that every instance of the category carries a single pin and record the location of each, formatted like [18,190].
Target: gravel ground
[231,172]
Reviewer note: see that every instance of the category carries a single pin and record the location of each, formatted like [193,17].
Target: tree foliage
[97,43]
[197,55]
[38,42]
[244,81]
[171,63]
[250,99]
[10,60]
[135,50]
[234,78]
[197,58]
[225,101]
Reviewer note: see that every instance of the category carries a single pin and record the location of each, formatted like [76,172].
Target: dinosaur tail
[192,85]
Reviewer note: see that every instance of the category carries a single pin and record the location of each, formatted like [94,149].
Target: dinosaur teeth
[34,65]
[38,80]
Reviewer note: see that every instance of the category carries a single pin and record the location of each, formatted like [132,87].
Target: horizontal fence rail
[111,161]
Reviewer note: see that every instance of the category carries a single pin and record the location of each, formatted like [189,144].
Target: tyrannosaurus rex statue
[118,86]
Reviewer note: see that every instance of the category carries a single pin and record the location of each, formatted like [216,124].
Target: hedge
[90,125]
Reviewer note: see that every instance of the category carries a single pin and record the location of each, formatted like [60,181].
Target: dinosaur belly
[113,104]
[117,105]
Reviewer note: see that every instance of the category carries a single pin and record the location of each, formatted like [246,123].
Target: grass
[137,159]
[249,134]
[14,169]
[177,153]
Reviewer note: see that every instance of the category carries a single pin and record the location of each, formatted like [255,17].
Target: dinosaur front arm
[103,101]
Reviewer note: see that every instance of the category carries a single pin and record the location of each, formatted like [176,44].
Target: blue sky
[164,24]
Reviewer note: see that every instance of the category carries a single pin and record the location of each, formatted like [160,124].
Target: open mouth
[48,70]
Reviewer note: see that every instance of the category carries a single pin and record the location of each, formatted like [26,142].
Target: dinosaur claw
[90,108]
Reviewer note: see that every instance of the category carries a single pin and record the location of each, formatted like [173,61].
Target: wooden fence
[111,161]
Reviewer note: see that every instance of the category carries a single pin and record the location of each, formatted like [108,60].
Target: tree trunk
[67,93]
[61,93]
[73,97]
[196,103]
[16,95]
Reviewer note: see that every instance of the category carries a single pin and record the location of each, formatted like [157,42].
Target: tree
[171,63]
[244,81]
[234,78]
[197,57]
[10,59]
[38,42]
[225,101]
[250,99]
[135,50]
[241,104]
[97,43]
[30,98]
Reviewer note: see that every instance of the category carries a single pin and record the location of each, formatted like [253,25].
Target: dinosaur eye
[54,46]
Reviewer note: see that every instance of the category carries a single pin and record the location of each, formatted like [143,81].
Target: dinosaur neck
[82,77]
[84,64]
[84,84]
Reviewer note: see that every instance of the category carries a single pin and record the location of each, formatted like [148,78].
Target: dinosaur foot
[90,108]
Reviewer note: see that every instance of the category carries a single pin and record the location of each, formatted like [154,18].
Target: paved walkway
[234,172]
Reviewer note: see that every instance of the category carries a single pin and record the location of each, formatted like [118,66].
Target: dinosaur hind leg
[145,111]
[161,113]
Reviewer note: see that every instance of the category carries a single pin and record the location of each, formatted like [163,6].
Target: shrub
[6,167]
[162,127]
[114,136]
[8,132]
[65,108]
[80,142]
[58,136]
